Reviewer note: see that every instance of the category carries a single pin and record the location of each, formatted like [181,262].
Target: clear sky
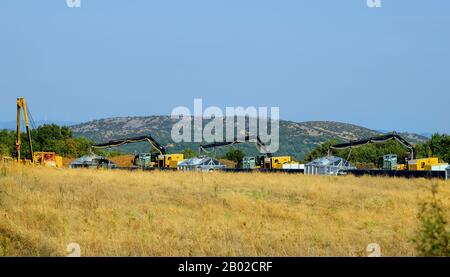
[386,68]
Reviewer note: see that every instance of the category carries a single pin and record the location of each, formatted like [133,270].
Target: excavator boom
[259,144]
[120,142]
[377,139]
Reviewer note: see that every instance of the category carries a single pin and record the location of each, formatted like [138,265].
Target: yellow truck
[49,159]
[432,164]
[169,160]
[276,162]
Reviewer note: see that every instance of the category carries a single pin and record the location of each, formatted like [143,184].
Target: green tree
[189,153]
[8,140]
[440,146]
[82,146]
[4,150]
[51,138]
[235,155]
[433,236]
[437,146]
[46,136]
[319,151]
[423,150]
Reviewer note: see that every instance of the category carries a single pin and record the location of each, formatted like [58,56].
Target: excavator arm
[377,139]
[259,144]
[116,143]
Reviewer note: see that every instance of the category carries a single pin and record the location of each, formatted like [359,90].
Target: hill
[296,138]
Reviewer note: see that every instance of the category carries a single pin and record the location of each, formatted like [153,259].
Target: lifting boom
[164,160]
[120,142]
[22,105]
[377,139]
[259,144]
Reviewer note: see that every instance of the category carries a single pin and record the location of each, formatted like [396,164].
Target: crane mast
[22,105]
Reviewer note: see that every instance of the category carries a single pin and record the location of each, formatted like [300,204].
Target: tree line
[60,139]
[49,138]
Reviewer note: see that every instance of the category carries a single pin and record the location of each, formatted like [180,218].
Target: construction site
[391,165]
[157,203]
[223,134]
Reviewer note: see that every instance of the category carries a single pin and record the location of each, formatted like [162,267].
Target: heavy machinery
[376,139]
[162,160]
[248,162]
[266,161]
[429,164]
[390,161]
[49,159]
[21,105]
[277,162]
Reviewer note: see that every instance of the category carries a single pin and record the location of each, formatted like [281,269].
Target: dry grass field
[120,213]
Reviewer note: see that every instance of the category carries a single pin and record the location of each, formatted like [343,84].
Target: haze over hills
[296,138]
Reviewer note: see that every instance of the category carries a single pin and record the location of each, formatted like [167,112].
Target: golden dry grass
[123,160]
[120,213]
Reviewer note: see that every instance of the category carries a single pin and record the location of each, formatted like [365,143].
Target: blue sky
[385,68]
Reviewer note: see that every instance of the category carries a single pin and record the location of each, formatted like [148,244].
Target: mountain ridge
[296,138]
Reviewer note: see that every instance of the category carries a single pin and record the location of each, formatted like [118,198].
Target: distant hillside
[296,139]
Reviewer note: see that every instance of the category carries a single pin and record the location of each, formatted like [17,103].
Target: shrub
[433,236]
[234,155]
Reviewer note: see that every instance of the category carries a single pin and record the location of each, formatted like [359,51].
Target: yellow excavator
[390,160]
[161,160]
[49,159]
[266,161]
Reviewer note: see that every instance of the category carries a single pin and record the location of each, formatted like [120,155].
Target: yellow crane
[37,158]
[22,105]
[162,160]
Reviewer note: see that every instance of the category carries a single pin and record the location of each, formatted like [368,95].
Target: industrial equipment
[162,160]
[390,161]
[49,159]
[430,164]
[248,162]
[377,139]
[204,164]
[266,161]
[329,165]
[143,160]
[276,162]
[21,105]
[92,161]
